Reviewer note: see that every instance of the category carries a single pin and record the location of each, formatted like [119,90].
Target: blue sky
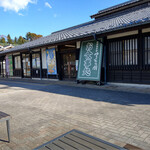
[18,17]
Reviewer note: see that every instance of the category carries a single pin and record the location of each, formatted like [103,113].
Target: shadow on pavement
[116,97]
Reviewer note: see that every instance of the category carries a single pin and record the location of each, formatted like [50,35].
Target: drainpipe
[104,54]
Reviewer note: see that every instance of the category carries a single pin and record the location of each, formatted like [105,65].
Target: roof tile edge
[119,6]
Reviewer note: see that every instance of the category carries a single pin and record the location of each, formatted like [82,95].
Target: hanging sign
[9,65]
[51,61]
[90,61]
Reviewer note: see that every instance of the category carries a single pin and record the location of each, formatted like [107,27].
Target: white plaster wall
[122,34]
[146,30]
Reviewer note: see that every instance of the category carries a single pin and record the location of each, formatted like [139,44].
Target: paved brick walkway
[42,112]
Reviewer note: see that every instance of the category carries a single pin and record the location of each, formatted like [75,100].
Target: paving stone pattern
[41,112]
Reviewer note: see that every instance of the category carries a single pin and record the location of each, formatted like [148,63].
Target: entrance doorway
[36,65]
[69,66]
[2,68]
[26,65]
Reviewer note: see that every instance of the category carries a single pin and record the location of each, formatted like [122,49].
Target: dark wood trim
[17,73]
[68,51]
[41,64]
[146,34]
[21,65]
[107,57]
[133,73]
[30,64]
[145,66]
[140,50]
[59,61]
[13,63]
[36,52]
[105,47]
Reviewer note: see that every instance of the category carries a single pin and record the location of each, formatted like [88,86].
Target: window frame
[123,64]
[36,64]
[15,56]
[146,59]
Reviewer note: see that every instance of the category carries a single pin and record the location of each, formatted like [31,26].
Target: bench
[6,117]
[75,139]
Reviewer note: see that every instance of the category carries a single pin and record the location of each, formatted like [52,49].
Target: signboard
[90,61]
[51,61]
[9,65]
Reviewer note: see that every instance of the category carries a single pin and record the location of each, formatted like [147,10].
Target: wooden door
[69,66]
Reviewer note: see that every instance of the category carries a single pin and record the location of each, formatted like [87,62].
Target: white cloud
[20,14]
[15,5]
[48,5]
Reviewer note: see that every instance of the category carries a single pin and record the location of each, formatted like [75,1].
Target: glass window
[115,52]
[123,52]
[36,60]
[17,62]
[147,50]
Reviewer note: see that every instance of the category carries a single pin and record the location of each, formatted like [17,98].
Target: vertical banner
[90,61]
[51,61]
[9,65]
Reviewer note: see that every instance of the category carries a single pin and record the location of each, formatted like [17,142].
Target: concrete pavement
[42,111]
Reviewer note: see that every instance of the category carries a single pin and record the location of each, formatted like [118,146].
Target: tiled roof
[117,6]
[119,21]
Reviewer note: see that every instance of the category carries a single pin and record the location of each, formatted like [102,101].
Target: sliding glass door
[26,65]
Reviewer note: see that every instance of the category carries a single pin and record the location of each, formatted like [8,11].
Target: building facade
[123,32]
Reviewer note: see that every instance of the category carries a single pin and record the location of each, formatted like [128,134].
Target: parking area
[43,111]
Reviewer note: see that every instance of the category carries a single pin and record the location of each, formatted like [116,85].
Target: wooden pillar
[41,72]
[58,60]
[13,63]
[140,52]
[140,49]
[0,68]
[105,48]
[46,64]
[21,65]
[30,51]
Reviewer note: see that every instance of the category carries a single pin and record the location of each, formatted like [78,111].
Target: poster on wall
[51,61]
[9,65]
[90,61]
